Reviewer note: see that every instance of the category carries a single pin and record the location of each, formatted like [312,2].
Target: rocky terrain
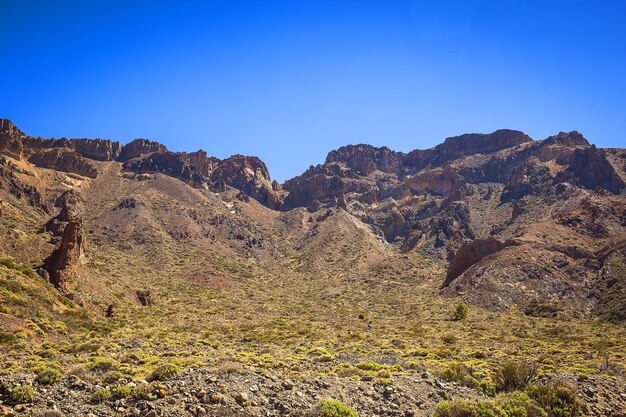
[391,282]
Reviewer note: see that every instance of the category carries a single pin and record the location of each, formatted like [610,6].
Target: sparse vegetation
[460,311]
[540,401]
[333,408]
[48,375]
[21,394]
[163,372]
[513,375]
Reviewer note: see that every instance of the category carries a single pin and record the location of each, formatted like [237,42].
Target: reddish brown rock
[63,160]
[15,186]
[366,159]
[592,169]
[169,163]
[140,147]
[472,253]
[249,175]
[61,266]
[439,181]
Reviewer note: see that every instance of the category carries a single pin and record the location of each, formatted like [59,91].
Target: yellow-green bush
[333,408]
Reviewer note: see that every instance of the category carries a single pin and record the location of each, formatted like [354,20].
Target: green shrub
[101,395]
[465,408]
[113,376]
[7,338]
[536,401]
[21,394]
[369,366]
[121,391]
[48,375]
[333,408]
[142,391]
[514,375]
[460,312]
[558,400]
[100,364]
[488,387]
[456,372]
[163,372]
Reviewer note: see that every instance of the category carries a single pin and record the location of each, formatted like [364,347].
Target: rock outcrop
[592,169]
[249,175]
[169,163]
[472,253]
[62,159]
[61,266]
[443,181]
[365,159]
[18,188]
[140,147]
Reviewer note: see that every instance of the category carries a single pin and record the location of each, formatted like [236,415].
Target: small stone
[254,388]
[241,397]
[288,385]
[367,378]
[218,399]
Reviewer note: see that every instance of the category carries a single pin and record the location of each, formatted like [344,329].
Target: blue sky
[289,81]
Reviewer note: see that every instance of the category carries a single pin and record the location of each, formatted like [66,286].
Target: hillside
[232,294]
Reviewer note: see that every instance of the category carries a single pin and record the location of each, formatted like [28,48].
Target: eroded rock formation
[61,266]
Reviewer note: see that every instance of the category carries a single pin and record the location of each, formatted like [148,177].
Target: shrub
[449,339]
[163,372]
[113,376]
[488,387]
[455,372]
[461,311]
[121,391]
[541,401]
[48,375]
[536,308]
[7,338]
[103,365]
[101,395]
[514,375]
[465,408]
[558,400]
[21,394]
[333,408]
[142,391]
[369,366]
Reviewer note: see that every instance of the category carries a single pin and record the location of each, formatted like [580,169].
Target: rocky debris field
[199,392]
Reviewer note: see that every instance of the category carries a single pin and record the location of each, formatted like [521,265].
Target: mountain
[119,261]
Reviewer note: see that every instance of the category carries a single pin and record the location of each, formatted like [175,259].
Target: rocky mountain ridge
[549,213]
[120,264]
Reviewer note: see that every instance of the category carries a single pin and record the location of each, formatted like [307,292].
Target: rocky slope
[141,251]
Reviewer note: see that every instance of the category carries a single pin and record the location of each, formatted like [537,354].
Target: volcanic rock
[63,160]
[62,264]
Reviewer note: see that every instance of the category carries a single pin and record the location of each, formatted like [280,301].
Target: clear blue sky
[289,81]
